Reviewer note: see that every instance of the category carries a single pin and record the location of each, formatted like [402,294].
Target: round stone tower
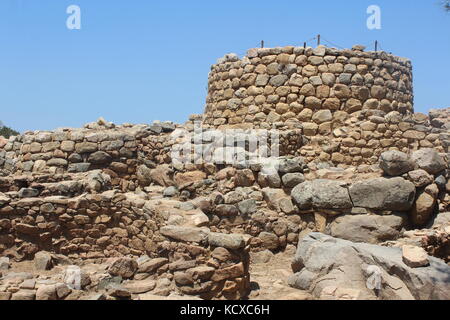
[301,86]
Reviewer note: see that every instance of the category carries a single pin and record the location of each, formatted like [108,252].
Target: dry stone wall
[347,106]
[306,85]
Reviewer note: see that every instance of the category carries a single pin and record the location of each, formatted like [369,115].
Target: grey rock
[395,194]
[269,240]
[108,280]
[247,207]
[124,267]
[184,234]
[168,126]
[28,193]
[144,175]
[170,191]
[57,162]
[322,262]
[226,210]
[278,80]
[79,167]
[96,180]
[75,158]
[228,241]
[155,128]
[420,178]
[291,180]
[271,180]
[117,291]
[291,165]
[395,163]
[441,182]
[429,160]
[100,157]
[367,228]
[321,194]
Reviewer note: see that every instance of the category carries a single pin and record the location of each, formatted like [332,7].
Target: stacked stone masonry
[355,162]
[351,105]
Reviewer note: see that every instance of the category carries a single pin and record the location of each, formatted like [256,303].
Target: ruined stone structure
[355,162]
[273,85]
[351,105]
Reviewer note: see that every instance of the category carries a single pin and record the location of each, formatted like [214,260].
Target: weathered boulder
[291,165]
[323,262]
[185,234]
[291,180]
[124,267]
[152,265]
[395,163]
[100,157]
[269,179]
[143,286]
[244,178]
[96,180]
[46,292]
[424,206]
[144,175]
[228,241]
[118,291]
[429,160]
[395,194]
[367,228]
[247,207]
[28,193]
[415,257]
[321,194]
[269,240]
[278,200]
[420,178]
[162,175]
[226,210]
[183,179]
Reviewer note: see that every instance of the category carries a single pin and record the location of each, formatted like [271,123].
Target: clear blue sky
[139,61]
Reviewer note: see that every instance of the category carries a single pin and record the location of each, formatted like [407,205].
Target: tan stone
[309,128]
[415,257]
[305,115]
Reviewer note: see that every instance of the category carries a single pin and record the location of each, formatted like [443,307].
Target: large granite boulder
[332,268]
[394,194]
[321,194]
[429,160]
[395,163]
[367,228]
